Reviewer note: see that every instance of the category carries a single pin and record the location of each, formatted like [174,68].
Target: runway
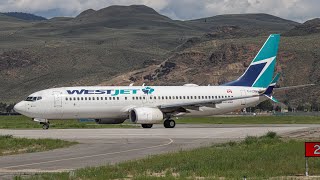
[108,146]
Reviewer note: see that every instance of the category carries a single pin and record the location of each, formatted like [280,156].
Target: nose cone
[20,107]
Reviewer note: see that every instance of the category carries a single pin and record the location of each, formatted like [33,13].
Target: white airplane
[148,105]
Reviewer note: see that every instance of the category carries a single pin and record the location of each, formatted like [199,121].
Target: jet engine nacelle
[109,121]
[145,115]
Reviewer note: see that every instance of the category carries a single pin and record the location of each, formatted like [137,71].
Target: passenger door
[243,101]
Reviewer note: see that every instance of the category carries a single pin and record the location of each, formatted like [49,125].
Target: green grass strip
[257,158]
[10,145]
[252,120]
[22,122]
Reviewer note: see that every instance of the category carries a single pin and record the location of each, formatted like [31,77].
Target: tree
[300,107]
[3,107]
[265,106]
[278,109]
[9,108]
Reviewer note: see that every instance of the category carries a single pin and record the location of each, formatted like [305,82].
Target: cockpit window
[30,98]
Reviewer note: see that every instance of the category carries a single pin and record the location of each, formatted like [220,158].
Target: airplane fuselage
[115,102]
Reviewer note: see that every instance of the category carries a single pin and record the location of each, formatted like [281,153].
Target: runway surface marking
[90,156]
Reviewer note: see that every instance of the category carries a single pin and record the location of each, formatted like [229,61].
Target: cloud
[298,10]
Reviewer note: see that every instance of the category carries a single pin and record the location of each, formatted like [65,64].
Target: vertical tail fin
[261,69]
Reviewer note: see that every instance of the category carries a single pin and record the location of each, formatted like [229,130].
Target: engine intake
[144,115]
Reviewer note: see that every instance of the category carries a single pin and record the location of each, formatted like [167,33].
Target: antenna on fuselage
[131,84]
[143,84]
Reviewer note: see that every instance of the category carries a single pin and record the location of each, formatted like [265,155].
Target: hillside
[309,27]
[24,16]
[123,44]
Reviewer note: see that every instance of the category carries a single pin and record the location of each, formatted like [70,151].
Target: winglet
[273,83]
[269,90]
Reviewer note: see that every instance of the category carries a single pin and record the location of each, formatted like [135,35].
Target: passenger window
[39,98]
[113,98]
[117,98]
[169,97]
[125,98]
[85,98]
[206,97]
[132,98]
[78,98]
[110,98]
[89,98]
[216,97]
[177,97]
[144,97]
[92,98]
[155,97]
[66,99]
[74,98]
[180,97]
[105,98]
[172,97]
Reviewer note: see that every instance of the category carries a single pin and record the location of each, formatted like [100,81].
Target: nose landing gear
[44,122]
[45,125]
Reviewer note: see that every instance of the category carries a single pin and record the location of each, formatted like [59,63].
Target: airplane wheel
[45,126]
[147,125]
[169,123]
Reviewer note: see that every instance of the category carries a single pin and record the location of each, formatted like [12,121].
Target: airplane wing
[196,104]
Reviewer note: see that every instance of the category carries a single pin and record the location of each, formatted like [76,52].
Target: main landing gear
[169,123]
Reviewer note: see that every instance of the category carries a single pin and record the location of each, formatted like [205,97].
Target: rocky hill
[309,27]
[24,16]
[124,44]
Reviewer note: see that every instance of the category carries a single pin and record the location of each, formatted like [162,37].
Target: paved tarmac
[108,146]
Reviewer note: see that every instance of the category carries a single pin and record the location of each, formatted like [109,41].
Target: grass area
[257,158]
[252,120]
[22,122]
[10,145]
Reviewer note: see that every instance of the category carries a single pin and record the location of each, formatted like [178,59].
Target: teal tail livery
[260,72]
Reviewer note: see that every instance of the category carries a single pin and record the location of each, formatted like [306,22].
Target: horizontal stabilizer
[284,89]
[272,98]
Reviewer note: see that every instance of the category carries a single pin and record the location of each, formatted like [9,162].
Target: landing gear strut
[169,123]
[45,125]
[147,125]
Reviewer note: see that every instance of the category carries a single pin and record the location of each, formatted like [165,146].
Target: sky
[296,10]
